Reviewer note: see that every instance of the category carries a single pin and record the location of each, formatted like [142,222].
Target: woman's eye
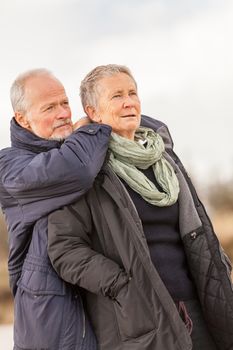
[116,96]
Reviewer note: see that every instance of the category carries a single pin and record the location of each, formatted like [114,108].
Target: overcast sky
[180,52]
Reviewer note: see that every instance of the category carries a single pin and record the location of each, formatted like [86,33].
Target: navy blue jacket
[38,176]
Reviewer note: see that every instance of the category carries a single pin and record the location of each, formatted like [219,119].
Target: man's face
[48,114]
[118,104]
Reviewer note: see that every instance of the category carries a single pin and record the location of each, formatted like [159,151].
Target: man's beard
[62,137]
[59,136]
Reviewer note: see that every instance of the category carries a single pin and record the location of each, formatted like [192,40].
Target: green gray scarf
[127,157]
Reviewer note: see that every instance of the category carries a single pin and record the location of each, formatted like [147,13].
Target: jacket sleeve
[57,177]
[72,256]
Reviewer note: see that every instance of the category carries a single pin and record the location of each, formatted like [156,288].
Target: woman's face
[118,104]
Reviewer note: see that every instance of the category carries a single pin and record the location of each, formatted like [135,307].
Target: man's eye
[49,108]
[116,96]
[133,93]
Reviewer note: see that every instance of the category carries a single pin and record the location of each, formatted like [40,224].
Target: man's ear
[92,114]
[22,120]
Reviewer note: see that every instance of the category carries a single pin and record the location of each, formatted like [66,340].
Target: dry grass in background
[6,300]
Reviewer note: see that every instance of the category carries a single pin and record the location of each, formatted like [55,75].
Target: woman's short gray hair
[88,88]
[17,91]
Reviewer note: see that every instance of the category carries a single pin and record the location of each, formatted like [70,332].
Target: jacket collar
[24,139]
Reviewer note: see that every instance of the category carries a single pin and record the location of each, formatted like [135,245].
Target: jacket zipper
[78,296]
[84,317]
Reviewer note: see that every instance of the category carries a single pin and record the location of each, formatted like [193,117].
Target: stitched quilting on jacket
[98,243]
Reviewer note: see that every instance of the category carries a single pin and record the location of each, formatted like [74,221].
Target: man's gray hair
[88,88]
[17,91]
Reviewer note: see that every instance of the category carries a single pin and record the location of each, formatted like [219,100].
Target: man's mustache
[60,123]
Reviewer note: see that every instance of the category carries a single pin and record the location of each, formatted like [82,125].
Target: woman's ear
[92,114]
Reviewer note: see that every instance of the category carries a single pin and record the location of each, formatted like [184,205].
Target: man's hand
[81,122]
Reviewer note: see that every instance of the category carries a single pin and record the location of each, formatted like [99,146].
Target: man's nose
[63,112]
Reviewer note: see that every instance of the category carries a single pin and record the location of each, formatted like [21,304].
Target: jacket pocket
[135,315]
[39,277]
[39,309]
[41,283]
[48,314]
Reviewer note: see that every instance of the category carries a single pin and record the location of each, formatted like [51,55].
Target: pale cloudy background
[180,52]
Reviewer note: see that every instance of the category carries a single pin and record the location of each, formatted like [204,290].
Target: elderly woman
[140,242]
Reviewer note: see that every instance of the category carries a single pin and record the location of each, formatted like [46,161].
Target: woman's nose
[128,102]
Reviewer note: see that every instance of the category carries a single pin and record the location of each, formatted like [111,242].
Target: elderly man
[39,173]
